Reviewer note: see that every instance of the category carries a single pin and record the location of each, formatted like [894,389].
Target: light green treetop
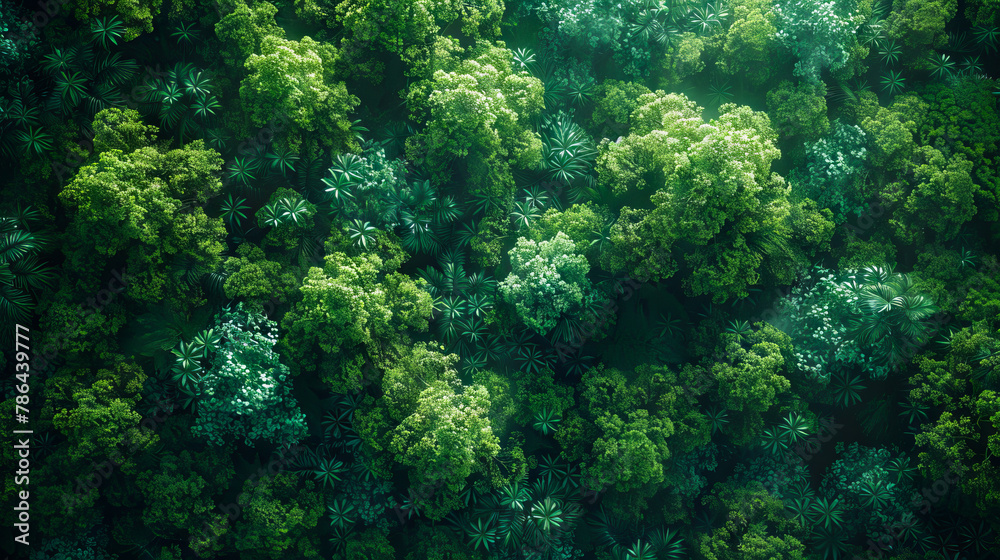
[288,78]
[714,194]
[547,279]
[351,312]
[447,438]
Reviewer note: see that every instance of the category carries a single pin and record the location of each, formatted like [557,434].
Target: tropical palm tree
[361,233]
[185,33]
[340,513]
[772,442]
[532,359]
[740,328]
[889,51]
[829,513]
[941,65]
[718,417]
[294,211]
[795,428]
[893,82]
[83,78]
[481,534]
[328,471]
[891,317]
[337,421]
[106,31]
[579,90]
[232,210]
[34,140]
[524,214]
[22,273]
[568,153]
[832,543]
[874,493]
[800,509]
[182,99]
[704,21]
[846,388]
[667,544]
[242,170]
[547,420]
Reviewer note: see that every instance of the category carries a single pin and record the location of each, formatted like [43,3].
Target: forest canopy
[534,279]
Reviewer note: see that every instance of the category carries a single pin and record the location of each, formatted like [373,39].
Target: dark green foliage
[772,441]
[183,100]
[22,272]
[892,316]
[106,31]
[340,514]
[249,396]
[328,471]
[185,33]
[233,210]
[800,509]
[718,417]
[484,284]
[828,513]
[818,33]
[889,51]
[831,543]
[720,93]
[567,152]
[941,66]
[546,420]
[872,489]
[846,388]
[795,428]
[893,82]
[85,79]
[834,169]
[522,517]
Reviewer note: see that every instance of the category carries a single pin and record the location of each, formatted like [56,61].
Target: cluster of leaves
[372,191]
[289,78]
[820,33]
[872,318]
[18,42]
[872,490]
[353,310]
[628,425]
[689,164]
[20,119]
[523,518]
[525,187]
[183,99]
[834,167]
[246,392]
[547,279]
[461,304]
[22,271]
[84,82]
[145,203]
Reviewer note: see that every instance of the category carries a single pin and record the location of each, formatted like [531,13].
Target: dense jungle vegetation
[544,279]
